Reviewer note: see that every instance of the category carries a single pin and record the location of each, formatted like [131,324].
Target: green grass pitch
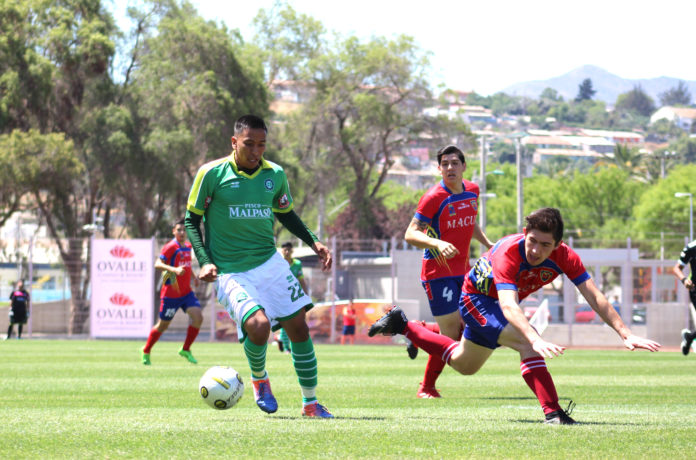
[93,399]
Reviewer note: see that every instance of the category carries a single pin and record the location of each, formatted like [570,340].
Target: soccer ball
[221,387]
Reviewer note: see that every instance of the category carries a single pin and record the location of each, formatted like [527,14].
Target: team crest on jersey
[546,275]
[283,201]
[208,199]
[452,211]
[474,204]
[268,183]
[241,297]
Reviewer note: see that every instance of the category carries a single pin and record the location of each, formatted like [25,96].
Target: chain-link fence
[375,273]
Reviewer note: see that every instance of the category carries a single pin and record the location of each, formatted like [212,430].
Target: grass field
[93,399]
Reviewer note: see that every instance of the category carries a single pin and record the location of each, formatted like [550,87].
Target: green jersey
[237,210]
[296,268]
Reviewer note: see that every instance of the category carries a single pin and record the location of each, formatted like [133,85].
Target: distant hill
[607,85]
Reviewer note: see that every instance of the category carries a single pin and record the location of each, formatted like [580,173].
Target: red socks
[191,335]
[434,367]
[440,346]
[539,380]
[152,340]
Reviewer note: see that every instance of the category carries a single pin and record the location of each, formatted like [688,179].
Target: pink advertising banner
[123,283]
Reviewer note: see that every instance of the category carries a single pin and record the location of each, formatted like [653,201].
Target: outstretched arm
[601,305]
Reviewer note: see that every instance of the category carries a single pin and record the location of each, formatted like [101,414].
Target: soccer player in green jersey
[237,198]
[295,269]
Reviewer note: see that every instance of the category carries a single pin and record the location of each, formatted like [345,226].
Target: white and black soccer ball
[221,387]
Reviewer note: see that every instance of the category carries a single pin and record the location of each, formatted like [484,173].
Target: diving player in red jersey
[515,267]
[444,223]
[176,292]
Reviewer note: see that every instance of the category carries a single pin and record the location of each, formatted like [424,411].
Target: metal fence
[383,270]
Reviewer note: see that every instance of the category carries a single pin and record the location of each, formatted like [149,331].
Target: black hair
[287,244]
[448,150]
[547,220]
[181,221]
[249,122]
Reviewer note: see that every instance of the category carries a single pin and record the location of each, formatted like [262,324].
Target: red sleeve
[506,266]
[571,264]
[427,207]
[168,251]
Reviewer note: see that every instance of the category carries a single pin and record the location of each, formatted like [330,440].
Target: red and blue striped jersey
[176,255]
[505,267]
[450,217]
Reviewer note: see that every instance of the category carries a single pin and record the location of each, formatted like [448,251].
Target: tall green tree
[636,101]
[363,104]
[659,212]
[55,77]
[678,95]
[591,202]
[187,86]
[585,91]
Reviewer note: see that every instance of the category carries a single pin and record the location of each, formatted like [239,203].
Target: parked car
[584,314]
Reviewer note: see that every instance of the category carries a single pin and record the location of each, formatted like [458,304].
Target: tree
[364,102]
[551,95]
[636,101]
[82,144]
[591,202]
[55,78]
[629,159]
[659,212]
[585,91]
[186,87]
[286,42]
[678,95]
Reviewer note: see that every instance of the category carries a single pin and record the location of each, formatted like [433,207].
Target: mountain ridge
[607,85]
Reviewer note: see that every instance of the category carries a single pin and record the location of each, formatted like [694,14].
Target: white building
[683,117]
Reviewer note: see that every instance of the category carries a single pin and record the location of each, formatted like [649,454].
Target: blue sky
[486,46]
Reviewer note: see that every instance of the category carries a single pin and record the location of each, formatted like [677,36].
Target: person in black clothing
[687,256]
[19,309]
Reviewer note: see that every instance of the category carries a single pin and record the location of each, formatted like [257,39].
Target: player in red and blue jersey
[175,262]
[444,223]
[515,267]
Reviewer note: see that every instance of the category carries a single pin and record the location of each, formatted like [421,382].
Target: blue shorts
[169,305]
[484,319]
[443,294]
[348,330]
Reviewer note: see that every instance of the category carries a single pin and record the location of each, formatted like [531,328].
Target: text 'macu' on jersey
[237,210]
[505,267]
[450,217]
[176,255]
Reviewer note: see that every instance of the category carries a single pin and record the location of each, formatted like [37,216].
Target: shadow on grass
[577,423]
[336,417]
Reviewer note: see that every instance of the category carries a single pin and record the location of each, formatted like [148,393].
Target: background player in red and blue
[514,268]
[19,309]
[175,262]
[444,223]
